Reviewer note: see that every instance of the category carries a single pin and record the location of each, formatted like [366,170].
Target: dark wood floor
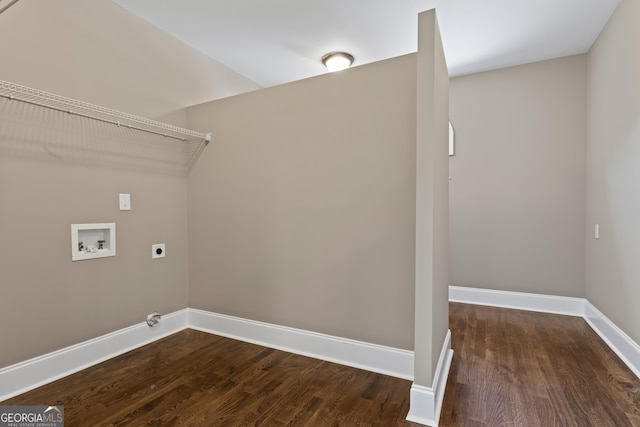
[519,368]
[510,368]
[197,379]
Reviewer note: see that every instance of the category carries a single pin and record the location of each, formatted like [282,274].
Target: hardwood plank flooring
[520,368]
[510,368]
[197,379]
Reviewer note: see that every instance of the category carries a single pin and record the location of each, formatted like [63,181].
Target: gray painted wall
[301,210]
[613,178]
[97,52]
[518,178]
[545,151]
[56,170]
[432,202]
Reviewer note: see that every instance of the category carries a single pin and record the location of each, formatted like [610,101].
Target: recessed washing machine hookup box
[90,241]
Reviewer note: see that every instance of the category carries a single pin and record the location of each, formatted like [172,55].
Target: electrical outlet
[158,251]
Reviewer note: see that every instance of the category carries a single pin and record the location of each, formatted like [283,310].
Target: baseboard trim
[371,357]
[518,300]
[24,376]
[621,344]
[626,349]
[426,402]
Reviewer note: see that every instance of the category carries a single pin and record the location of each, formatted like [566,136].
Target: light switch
[596,231]
[125,202]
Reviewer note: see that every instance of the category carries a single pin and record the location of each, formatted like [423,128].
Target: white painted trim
[621,344]
[518,300]
[24,376]
[627,349]
[426,402]
[371,357]
[422,406]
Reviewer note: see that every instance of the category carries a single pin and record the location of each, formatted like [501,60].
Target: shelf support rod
[7,6]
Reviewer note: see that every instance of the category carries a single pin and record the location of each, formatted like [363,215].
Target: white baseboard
[426,402]
[24,376]
[627,349]
[518,300]
[371,357]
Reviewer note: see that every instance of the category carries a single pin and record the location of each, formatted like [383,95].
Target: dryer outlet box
[158,251]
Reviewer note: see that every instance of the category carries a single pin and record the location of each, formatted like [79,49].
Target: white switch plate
[158,251]
[596,231]
[125,202]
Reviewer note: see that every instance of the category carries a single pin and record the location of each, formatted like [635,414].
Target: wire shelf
[195,141]
[41,98]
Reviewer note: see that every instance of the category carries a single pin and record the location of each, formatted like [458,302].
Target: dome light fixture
[336,61]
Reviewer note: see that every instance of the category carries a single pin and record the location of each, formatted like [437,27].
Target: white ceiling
[277,41]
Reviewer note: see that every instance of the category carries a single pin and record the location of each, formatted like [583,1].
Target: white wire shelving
[13,91]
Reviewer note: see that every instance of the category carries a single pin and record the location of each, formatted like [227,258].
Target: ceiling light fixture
[336,61]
